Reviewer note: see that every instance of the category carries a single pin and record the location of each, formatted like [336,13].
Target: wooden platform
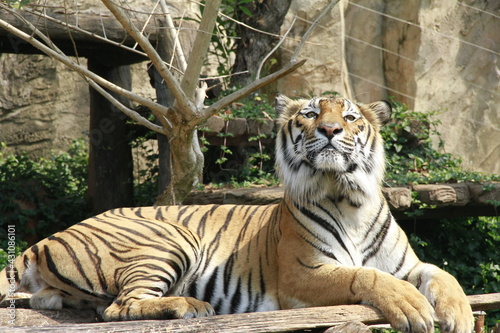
[273,321]
[66,31]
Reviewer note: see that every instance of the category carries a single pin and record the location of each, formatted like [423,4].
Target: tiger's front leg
[443,291]
[405,308]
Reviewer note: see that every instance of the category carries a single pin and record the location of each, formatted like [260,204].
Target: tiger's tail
[18,274]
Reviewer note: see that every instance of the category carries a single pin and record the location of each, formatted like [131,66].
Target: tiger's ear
[287,107]
[383,111]
[281,102]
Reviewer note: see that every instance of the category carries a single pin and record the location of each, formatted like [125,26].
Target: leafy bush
[467,248]
[410,153]
[43,196]
[241,166]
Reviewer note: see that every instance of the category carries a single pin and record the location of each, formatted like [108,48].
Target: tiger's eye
[311,114]
[350,118]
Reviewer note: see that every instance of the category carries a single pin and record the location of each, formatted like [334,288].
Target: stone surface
[438,55]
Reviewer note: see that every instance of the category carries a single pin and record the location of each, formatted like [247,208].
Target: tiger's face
[332,140]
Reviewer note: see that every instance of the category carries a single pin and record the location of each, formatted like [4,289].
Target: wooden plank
[272,321]
[69,40]
[484,302]
[103,25]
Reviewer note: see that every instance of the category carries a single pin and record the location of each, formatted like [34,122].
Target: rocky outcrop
[438,55]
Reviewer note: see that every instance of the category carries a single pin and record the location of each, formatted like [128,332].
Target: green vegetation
[467,248]
[411,156]
[241,166]
[41,196]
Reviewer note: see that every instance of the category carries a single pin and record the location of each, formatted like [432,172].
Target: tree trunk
[253,45]
[110,157]
[186,163]
[180,157]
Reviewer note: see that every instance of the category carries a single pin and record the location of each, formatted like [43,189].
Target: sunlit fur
[356,153]
[332,240]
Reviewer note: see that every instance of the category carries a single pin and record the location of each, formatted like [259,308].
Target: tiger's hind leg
[150,285]
[170,307]
[50,298]
[47,299]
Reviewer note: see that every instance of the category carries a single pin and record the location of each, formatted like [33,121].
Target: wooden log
[272,321]
[103,25]
[399,198]
[240,129]
[452,200]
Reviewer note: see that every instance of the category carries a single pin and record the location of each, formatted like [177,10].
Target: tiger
[331,240]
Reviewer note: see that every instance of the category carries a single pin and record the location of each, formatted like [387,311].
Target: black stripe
[339,225]
[192,210]
[236,299]
[308,266]
[261,277]
[211,286]
[289,125]
[140,258]
[93,255]
[301,224]
[407,275]
[228,273]
[374,221]
[401,261]
[193,289]
[214,244]
[51,266]
[202,222]
[184,259]
[25,261]
[76,260]
[327,253]
[378,240]
[326,225]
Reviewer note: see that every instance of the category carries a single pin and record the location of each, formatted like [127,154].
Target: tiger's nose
[329,130]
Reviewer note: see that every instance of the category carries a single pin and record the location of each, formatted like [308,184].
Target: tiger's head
[330,147]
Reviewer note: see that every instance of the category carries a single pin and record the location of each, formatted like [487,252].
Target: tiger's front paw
[158,308]
[453,310]
[406,309]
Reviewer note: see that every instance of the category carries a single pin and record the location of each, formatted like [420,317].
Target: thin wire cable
[380,48]
[424,28]
[382,86]
[479,10]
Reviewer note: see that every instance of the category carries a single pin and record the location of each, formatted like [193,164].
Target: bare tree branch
[200,48]
[309,31]
[257,84]
[184,105]
[174,36]
[159,109]
[131,113]
[91,34]
[257,75]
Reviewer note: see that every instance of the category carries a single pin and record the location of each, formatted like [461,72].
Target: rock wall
[43,104]
[430,54]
